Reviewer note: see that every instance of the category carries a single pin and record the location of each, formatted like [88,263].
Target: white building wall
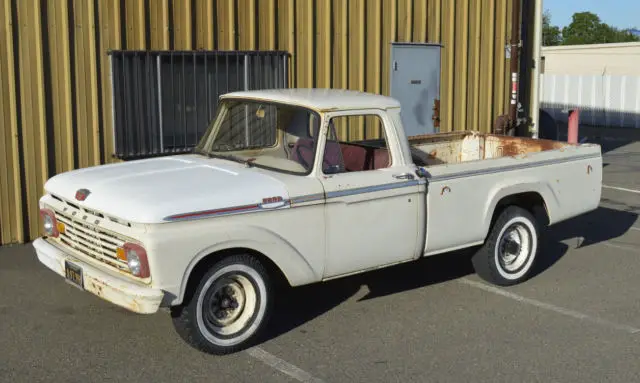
[602,81]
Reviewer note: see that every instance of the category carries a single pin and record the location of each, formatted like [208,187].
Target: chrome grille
[91,240]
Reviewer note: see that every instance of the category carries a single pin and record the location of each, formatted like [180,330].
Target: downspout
[535,73]
[514,67]
[507,123]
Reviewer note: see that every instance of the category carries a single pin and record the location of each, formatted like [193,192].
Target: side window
[354,144]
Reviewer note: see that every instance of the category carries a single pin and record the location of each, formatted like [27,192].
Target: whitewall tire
[509,254]
[229,308]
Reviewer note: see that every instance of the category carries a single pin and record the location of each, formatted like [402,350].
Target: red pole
[572,133]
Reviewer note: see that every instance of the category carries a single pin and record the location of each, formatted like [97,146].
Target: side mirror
[422,173]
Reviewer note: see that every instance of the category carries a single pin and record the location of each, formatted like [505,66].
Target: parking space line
[621,189]
[282,365]
[550,307]
[620,247]
[635,228]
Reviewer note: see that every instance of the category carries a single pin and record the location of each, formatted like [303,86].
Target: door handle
[404,176]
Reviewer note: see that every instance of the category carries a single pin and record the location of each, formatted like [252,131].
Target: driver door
[372,198]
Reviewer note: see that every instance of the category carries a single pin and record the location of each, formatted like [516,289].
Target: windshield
[269,135]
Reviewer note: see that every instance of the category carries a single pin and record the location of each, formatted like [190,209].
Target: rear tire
[230,307]
[510,252]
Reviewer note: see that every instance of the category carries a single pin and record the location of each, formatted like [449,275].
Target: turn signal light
[121,254]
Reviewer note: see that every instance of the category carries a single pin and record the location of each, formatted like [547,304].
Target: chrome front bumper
[119,291]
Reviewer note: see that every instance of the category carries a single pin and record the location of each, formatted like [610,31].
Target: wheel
[230,306]
[509,253]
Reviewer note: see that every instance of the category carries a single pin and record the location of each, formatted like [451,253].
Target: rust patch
[133,305]
[461,146]
[130,303]
[504,146]
[97,288]
[445,188]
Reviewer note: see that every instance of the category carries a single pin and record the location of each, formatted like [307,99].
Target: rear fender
[502,191]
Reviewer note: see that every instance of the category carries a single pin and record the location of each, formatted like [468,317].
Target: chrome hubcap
[514,248]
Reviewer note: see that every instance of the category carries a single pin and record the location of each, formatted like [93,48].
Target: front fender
[297,269]
[503,190]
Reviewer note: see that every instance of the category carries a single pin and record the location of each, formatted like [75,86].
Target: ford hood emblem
[82,194]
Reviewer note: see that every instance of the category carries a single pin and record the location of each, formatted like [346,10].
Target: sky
[617,13]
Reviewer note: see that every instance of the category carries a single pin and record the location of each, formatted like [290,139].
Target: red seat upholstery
[359,158]
[355,158]
[302,153]
[380,158]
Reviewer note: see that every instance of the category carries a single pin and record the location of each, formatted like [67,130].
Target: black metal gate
[163,101]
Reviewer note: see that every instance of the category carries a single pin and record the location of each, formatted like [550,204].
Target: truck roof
[320,99]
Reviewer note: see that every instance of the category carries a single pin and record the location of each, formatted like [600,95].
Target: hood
[151,190]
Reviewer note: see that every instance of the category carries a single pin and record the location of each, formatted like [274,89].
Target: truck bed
[469,172]
[457,147]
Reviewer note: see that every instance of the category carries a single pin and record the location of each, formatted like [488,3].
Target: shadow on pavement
[299,305]
[302,304]
[551,251]
[608,137]
[602,224]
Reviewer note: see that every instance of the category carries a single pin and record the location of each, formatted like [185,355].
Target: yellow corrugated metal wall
[55,98]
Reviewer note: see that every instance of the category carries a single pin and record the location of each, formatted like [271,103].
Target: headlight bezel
[48,216]
[135,253]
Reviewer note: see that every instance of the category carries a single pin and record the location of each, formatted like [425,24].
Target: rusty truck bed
[457,147]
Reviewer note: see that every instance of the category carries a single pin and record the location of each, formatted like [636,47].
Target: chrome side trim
[287,203]
[354,191]
[307,198]
[224,211]
[509,168]
[371,189]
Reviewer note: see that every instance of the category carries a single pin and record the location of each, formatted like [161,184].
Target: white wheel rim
[232,304]
[516,248]
[239,292]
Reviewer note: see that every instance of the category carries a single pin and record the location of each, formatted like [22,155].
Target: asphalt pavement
[576,320]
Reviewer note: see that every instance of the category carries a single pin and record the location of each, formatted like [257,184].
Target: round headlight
[48,224]
[137,260]
[133,261]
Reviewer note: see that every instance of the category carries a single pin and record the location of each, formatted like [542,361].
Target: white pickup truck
[302,186]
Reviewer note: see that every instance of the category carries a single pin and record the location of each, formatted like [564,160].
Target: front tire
[509,253]
[230,306]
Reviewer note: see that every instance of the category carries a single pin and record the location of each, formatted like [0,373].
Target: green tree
[587,28]
[621,36]
[551,34]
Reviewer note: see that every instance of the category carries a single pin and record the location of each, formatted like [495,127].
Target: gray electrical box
[415,82]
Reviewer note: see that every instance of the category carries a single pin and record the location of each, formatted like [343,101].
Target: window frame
[394,153]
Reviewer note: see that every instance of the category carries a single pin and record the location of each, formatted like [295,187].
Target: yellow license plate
[73,274]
